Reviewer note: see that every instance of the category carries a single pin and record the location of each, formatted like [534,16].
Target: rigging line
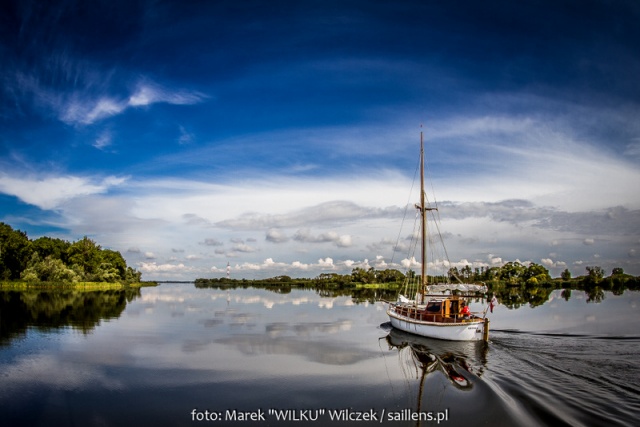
[387,368]
[444,247]
[413,245]
[409,357]
[406,209]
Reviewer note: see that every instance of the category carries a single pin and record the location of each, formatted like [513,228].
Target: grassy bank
[77,286]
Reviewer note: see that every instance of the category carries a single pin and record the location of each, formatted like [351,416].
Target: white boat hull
[472,330]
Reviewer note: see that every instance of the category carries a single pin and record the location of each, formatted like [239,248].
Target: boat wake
[529,378]
[567,379]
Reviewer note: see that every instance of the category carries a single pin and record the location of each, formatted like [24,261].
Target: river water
[178,355]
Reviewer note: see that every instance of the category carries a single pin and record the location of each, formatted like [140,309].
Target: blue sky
[282,136]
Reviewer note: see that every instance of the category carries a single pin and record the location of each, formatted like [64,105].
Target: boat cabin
[443,309]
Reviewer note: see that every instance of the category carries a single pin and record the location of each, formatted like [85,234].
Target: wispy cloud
[103,140]
[85,109]
[99,99]
[147,94]
[185,136]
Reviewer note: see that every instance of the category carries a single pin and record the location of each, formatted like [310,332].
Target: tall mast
[423,214]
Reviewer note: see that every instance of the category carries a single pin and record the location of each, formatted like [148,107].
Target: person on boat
[465,311]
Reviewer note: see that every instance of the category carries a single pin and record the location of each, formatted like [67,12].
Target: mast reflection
[459,361]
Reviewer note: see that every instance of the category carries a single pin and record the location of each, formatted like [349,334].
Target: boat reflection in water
[442,367]
[449,357]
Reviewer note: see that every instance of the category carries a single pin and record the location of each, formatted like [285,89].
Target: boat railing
[420,314]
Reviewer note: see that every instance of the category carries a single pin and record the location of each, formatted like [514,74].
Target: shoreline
[77,286]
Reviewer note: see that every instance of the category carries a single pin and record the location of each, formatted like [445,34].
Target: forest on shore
[514,284]
[511,274]
[53,260]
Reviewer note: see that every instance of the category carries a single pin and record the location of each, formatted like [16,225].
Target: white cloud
[50,192]
[297,265]
[305,236]
[87,111]
[276,267]
[242,247]
[495,261]
[276,236]
[152,267]
[326,262]
[410,263]
[548,262]
[147,94]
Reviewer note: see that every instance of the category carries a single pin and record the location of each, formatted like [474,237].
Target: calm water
[175,354]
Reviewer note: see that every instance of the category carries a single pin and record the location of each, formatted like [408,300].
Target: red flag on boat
[493,303]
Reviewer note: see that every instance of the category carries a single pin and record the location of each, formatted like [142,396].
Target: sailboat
[438,310]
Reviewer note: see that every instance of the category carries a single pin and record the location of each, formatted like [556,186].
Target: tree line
[48,259]
[510,275]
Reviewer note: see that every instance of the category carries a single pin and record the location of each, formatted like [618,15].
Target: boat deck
[419,313]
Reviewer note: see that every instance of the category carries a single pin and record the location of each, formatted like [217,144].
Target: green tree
[594,274]
[535,275]
[466,272]
[106,272]
[512,272]
[47,246]
[360,275]
[115,260]
[15,252]
[49,269]
[565,275]
[390,276]
[85,257]
[537,271]
[52,259]
[132,275]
